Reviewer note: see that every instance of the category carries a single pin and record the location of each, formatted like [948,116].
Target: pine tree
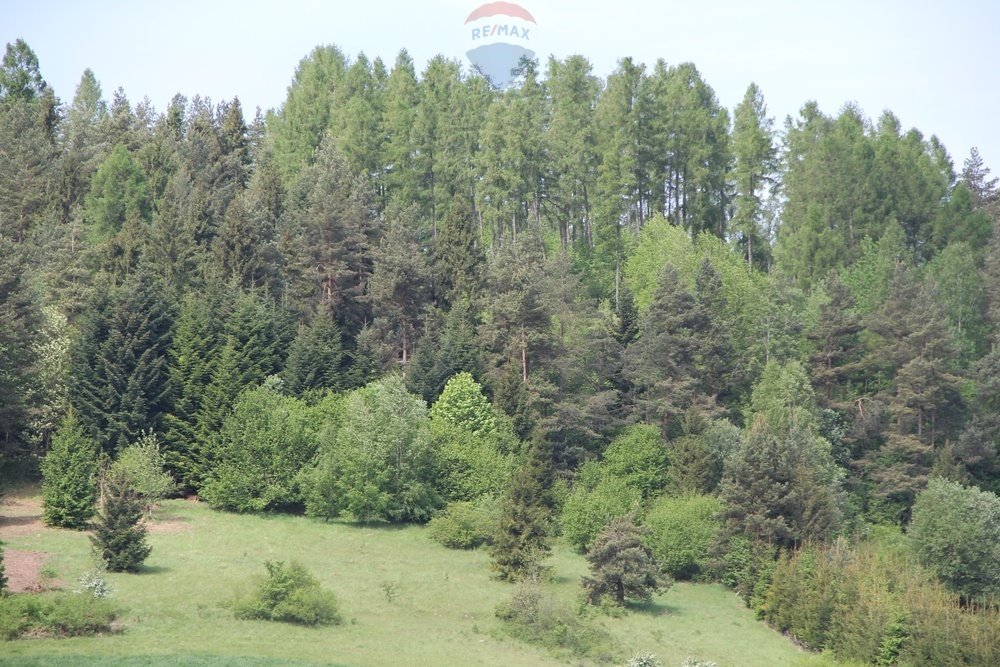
[69,477]
[458,257]
[778,487]
[190,357]
[119,537]
[621,564]
[837,352]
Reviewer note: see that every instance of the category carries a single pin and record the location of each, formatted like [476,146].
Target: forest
[583,308]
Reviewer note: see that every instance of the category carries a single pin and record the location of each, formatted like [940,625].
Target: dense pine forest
[407,296]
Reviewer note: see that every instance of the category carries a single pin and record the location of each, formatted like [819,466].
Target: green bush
[288,594]
[472,463]
[141,465]
[638,457]
[380,464]
[592,505]
[466,525]
[682,532]
[956,533]
[54,614]
[533,615]
[264,443]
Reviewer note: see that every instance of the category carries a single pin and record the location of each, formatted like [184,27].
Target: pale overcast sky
[935,64]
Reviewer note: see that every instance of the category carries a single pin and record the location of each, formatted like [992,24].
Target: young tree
[621,565]
[119,537]
[141,465]
[520,543]
[69,477]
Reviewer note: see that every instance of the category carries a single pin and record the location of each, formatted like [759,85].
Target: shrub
[380,464]
[472,464]
[288,594]
[591,506]
[95,583]
[956,533]
[682,532]
[263,444]
[644,660]
[533,615]
[58,614]
[141,465]
[69,477]
[119,537]
[697,662]
[466,525]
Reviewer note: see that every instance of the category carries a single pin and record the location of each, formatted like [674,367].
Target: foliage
[473,464]
[379,464]
[462,404]
[622,566]
[533,615]
[95,583]
[69,477]
[590,506]
[464,524]
[141,466]
[263,444]
[55,615]
[520,543]
[119,537]
[639,458]
[682,533]
[289,594]
[955,532]
[644,660]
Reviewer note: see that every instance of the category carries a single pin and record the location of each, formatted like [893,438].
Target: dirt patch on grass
[23,570]
[20,515]
[168,526]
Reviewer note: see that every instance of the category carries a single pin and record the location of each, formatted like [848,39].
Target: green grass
[441,614]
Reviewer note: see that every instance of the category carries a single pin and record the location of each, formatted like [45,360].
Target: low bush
[55,615]
[533,615]
[466,525]
[288,594]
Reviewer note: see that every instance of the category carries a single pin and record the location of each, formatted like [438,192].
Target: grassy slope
[442,613]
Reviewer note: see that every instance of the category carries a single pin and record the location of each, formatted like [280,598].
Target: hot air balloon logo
[500,34]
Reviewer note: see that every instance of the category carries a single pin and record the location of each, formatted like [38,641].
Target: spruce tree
[661,364]
[315,357]
[520,542]
[18,357]
[69,477]
[621,564]
[195,344]
[119,537]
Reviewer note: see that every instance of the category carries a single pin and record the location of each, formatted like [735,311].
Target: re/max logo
[499,30]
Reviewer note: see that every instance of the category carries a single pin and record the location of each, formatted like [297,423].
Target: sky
[936,65]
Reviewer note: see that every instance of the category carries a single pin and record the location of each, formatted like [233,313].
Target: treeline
[596,253]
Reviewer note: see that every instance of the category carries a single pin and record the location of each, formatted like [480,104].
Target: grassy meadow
[405,600]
